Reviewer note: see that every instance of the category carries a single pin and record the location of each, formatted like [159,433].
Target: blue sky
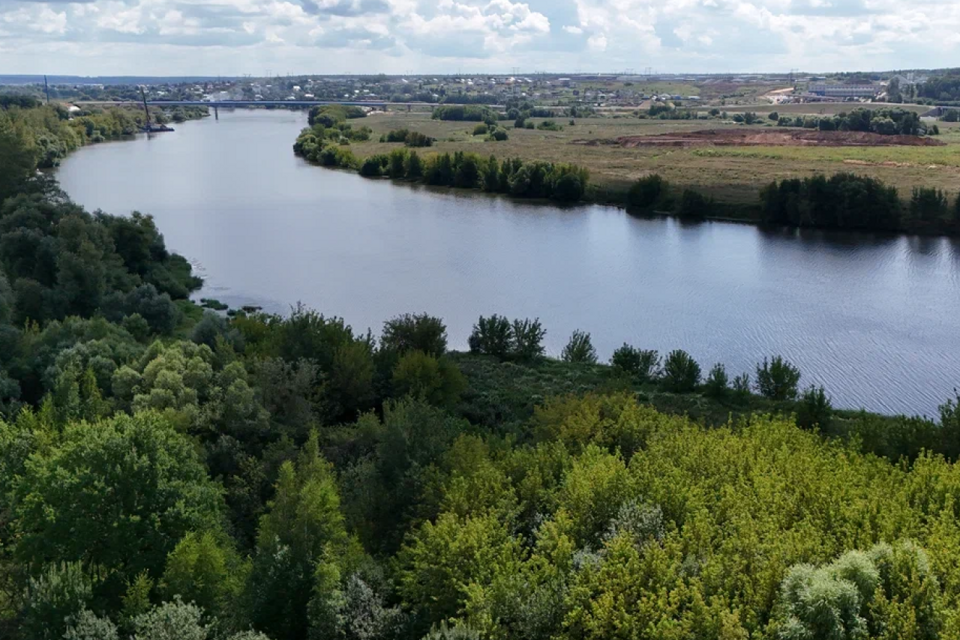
[232,37]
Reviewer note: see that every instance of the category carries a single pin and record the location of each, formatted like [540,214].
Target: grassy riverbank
[731,175]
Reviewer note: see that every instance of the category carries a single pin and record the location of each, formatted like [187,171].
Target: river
[873,318]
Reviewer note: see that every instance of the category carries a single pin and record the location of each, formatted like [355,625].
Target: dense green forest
[167,472]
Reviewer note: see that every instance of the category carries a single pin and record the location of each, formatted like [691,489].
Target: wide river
[873,318]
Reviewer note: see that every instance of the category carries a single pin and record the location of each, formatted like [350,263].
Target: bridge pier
[216,112]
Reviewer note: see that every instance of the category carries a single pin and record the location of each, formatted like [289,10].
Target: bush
[814,409]
[500,135]
[681,373]
[491,336]
[397,135]
[716,384]
[579,349]
[417,139]
[528,338]
[420,332]
[435,381]
[481,130]
[694,206]
[568,188]
[646,192]
[371,167]
[777,379]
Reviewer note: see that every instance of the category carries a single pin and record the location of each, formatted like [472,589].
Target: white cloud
[248,36]
[597,42]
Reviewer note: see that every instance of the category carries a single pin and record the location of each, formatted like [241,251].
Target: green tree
[205,569]
[527,339]
[17,160]
[814,409]
[175,620]
[419,332]
[87,626]
[717,382]
[777,379]
[302,529]
[55,600]
[681,373]
[491,336]
[579,349]
[132,508]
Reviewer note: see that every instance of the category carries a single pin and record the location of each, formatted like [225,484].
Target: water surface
[873,318]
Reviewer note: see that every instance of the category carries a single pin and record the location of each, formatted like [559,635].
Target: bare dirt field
[779,138]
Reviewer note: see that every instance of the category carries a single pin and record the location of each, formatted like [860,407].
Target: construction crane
[149,127]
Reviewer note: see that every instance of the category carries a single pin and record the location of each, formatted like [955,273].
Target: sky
[277,37]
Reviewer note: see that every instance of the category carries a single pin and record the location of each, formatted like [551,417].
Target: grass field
[730,174]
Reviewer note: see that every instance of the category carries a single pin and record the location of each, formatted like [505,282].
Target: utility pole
[46,89]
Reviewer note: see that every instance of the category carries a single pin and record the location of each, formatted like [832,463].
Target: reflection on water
[872,317]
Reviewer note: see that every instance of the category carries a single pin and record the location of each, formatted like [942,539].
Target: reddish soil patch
[777,138]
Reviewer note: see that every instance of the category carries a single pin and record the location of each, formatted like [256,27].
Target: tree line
[47,133]
[842,201]
[880,121]
[557,181]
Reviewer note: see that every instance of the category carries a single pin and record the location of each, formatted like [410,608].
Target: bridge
[240,104]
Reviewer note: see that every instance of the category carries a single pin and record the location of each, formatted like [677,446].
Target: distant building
[844,90]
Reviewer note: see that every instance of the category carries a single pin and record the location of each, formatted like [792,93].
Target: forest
[170,472]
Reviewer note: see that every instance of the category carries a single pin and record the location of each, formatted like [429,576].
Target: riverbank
[730,179]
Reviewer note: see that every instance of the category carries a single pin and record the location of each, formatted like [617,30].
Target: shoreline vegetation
[168,471]
[843,200]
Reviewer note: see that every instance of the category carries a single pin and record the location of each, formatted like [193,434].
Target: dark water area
[872,318]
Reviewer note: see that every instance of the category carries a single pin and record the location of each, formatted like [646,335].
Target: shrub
[777,379]
[681,373]
[694,206]
[716,384]
[435,381]
[579,349]
[491,336]
[814,409]
[646,192]
[568,188]
[417,139]
[397,135]
[549,125]
[371,167]
[481,130]
[528,338]
[500,135]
